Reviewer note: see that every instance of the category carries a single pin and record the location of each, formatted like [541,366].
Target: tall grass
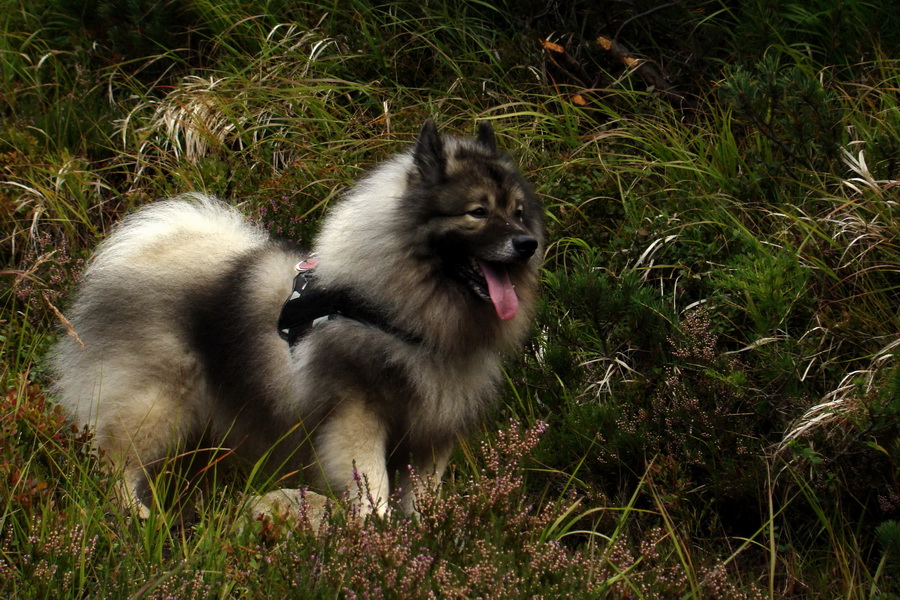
[708,407]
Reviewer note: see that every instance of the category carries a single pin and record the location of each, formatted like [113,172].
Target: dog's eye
[478,213]
[519,213]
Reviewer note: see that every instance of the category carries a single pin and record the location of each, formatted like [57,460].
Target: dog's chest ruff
[312,304]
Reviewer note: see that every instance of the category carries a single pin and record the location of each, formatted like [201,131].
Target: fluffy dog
[372,353]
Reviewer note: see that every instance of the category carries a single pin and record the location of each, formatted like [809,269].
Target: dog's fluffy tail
[189,215]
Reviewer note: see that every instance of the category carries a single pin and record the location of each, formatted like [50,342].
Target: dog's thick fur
[177,316]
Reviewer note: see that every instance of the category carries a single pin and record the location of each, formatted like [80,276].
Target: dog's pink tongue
[503,295]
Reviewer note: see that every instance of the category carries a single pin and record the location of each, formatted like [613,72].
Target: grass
[708,406]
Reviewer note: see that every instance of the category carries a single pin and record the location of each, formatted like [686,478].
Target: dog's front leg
[429,465]
[126,492]
[351,448]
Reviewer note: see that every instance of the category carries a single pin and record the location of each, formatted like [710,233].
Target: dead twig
[570,68]
[649,72]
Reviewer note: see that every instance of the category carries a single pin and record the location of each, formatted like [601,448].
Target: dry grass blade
[840,402]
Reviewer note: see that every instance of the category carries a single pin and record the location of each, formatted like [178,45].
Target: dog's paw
[290,505]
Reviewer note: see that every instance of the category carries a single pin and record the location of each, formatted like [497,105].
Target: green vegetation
[710,404]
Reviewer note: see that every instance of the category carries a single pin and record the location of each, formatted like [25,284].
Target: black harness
[311,304]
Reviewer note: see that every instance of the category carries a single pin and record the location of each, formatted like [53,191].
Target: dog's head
[483,222]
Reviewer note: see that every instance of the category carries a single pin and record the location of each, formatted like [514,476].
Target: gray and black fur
[177,315]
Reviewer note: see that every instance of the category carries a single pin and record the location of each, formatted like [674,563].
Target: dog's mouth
[490,281]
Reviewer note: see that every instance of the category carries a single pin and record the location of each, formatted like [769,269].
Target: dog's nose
[524,245]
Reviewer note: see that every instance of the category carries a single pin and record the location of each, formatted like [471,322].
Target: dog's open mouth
[491,282]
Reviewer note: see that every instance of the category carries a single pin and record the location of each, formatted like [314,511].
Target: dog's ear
[486,136]
[429,153]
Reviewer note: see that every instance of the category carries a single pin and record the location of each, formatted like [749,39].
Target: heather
[708,403]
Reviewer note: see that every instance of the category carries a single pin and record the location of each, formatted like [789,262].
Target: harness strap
[311,305]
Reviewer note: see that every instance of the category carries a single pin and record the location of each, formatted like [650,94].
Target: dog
[351,364]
